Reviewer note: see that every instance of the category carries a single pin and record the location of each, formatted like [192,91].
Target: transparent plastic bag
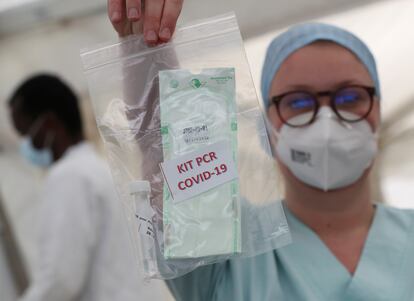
[187,145]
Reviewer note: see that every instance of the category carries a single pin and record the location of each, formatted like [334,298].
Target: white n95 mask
[329,153]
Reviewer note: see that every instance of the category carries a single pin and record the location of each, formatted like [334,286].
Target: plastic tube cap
[139,186]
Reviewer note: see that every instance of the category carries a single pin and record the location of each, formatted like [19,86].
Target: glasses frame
[277,99]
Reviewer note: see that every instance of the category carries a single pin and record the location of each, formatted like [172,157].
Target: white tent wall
[55,46]
[385,25]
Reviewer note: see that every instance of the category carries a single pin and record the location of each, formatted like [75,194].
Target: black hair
[45,93]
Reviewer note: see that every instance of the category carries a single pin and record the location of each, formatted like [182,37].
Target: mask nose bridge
[326,112]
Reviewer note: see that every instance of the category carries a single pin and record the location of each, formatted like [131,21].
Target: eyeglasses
[300,108]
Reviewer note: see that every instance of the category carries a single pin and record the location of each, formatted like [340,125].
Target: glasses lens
[352,103]
[297,108]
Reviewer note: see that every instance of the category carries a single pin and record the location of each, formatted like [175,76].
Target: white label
[192,174]
[143,215]
[196,134]
[145,226]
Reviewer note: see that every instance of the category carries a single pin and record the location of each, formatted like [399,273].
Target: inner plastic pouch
[196,111]
[187,145]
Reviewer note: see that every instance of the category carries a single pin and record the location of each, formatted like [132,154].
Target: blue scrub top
[307,270]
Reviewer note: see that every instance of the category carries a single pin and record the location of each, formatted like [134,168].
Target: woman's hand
[156,19]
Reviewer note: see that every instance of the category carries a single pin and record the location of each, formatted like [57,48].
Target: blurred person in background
[84,252]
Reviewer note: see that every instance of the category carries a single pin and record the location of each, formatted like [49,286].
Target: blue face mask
[41,158]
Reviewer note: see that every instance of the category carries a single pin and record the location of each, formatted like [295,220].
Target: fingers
[152,20]
[159,19]
[133,9]
[171,12]
[117,16]
[116,10]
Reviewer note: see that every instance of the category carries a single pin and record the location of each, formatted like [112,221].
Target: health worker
[83,249]
[322,97]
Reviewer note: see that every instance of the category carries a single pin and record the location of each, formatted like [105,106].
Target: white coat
[84,250]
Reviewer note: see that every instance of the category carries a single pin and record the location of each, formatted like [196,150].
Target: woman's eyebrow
[330,87]
[352,82]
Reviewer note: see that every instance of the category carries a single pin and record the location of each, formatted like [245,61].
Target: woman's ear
[374,118]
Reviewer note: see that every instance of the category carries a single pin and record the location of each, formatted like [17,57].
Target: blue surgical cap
[304,34]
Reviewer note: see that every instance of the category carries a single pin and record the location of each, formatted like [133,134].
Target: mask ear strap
[273,136]
[271,129]
[33,130]
[50,137]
